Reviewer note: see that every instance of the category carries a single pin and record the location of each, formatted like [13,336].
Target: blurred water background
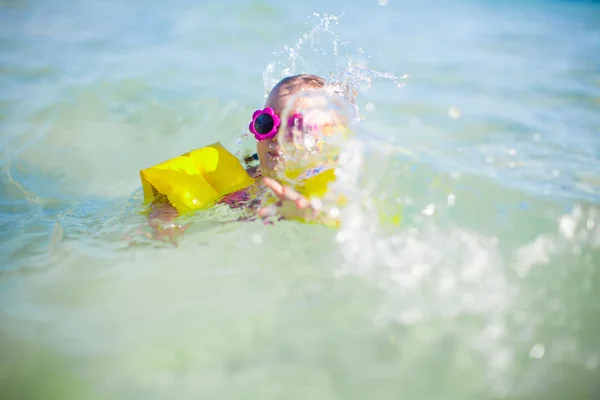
[487,126]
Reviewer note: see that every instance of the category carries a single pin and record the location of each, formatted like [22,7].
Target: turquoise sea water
[488,140]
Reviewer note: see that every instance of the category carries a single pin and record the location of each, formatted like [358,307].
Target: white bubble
[420,270]
[309,141]
[370,106]
[316,203]
[257,239]
[537,351]
[341,236]
[537,137]
[446,284]
[567,226]
[451,199]
[512,152]
[454,112]
[590,223]
[334,213]
[429,210]
[383,2]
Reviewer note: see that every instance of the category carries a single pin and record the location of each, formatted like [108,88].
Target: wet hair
[294,84]
[306,79]
[301,81]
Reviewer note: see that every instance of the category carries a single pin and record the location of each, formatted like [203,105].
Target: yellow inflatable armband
[318,185]
[197,179]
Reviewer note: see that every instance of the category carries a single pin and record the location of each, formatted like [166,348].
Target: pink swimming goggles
[265,123]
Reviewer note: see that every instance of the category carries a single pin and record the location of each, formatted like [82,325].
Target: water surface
[490,147]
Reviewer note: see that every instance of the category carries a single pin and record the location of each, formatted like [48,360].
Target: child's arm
[162,211]
[293,205]
[241,198]
[300,206]
[160,219]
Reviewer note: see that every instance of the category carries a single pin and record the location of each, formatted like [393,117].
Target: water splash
[318,125]
[322,51]
[293,59]
[346,70]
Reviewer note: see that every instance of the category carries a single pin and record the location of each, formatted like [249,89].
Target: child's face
[268,150]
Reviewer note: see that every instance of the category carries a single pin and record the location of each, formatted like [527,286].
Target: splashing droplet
[590,223]
[451,199]
[334,213]
[429,210]
[454,112]
[537,351]
[567,226]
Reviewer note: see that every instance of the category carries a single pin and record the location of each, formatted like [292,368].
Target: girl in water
[265,125]
[268,150]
